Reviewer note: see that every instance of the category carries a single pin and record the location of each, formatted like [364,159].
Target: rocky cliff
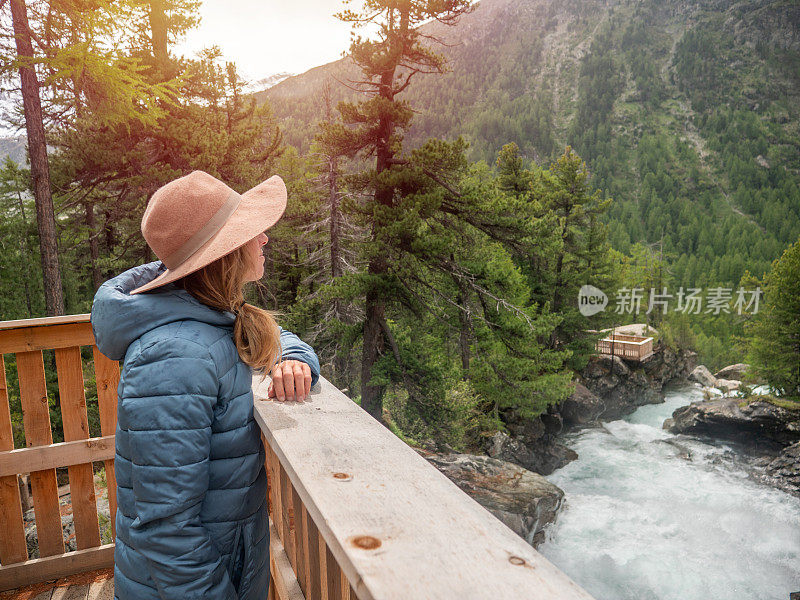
[612,387]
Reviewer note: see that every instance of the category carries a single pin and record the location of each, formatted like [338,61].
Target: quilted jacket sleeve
[293,348]
[174,386]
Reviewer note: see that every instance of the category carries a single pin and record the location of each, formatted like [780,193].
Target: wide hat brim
[259,209]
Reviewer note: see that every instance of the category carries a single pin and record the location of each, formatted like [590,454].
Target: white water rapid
[653,516]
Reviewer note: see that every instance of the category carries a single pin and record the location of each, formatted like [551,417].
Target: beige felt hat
[192,221]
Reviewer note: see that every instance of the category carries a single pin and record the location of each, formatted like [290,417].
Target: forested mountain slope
[686,112]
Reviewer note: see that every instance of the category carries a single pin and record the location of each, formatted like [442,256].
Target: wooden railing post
[13,548]
[76,427]
[36,419]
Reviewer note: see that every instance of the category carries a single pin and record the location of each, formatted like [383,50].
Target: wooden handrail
[395,525]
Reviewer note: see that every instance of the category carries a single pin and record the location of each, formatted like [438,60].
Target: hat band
[208,231]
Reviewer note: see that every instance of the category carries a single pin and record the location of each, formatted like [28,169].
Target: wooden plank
[30,339]
[72,399]
[63,454]
[288,518]
[101,590]
[277,500]
[44,321]
[381,508]
[303,554]
[71,592]
[315,563]
[13,548]
[269,474]
[322,550]
[106,373]
[54,567]
[333,575]
[286,585]
[36,419]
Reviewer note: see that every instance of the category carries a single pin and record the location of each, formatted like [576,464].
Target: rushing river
[653,516]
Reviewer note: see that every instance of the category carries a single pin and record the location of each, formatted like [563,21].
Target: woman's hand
[291,380]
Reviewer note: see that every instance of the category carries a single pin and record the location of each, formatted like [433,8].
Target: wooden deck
[94,585]
[635,348]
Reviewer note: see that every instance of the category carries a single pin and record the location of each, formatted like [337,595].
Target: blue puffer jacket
[191,517]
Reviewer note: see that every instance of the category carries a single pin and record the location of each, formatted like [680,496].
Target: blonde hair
[220,285]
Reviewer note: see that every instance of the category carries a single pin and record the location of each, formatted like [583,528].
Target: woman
[191,518]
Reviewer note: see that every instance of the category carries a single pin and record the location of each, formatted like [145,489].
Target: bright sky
[264,37]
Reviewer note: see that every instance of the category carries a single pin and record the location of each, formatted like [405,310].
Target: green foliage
[775,350]
[483,259]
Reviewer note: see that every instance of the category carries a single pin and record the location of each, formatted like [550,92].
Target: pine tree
[775,332]
[374,129]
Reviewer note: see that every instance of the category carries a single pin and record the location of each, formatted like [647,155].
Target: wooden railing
[354,511]
[360,514]
[26,339]
[630,347]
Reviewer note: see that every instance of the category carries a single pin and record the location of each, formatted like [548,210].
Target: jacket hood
[118,318]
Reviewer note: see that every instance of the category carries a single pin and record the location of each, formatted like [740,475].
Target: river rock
[728,385]
[703,376]
[525,501]
[605,365]
[759,424]
[543,456]
[539,436]
[582,407]
[785,469]
[736,372]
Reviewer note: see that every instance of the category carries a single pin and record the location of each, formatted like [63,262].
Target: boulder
[505,448]
[703,376]
[604,364]
[759,424]
[785,469]
[581,407]
[736,372]
[545,453]
[525,501]
[728,385]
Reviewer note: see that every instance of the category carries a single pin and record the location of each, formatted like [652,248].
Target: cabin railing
[354,511]
[630,347]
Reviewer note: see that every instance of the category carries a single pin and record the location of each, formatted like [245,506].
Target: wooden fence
[27,339]
[354,511]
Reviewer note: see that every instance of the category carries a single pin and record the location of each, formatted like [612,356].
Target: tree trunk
[40,171]
[464,333]
[23,246]
[372,395]
[336,263]
[158,27]
[94,250]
